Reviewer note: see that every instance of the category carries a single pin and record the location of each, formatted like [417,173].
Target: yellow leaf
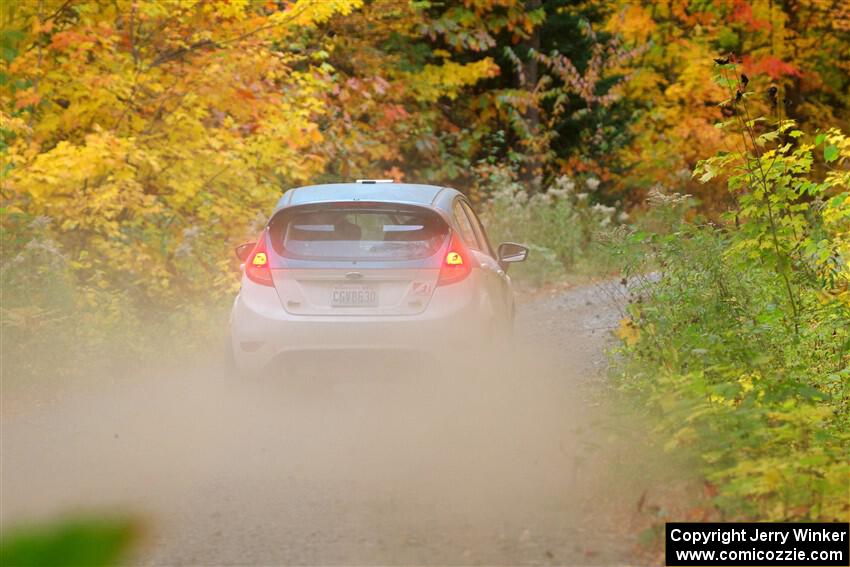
[628,332]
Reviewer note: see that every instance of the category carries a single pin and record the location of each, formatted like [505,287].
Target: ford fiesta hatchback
[370,265]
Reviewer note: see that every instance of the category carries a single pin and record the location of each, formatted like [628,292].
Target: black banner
[763,544]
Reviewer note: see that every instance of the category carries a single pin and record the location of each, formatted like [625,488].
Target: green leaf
[810,393]
[89,542]
[709,172]
[768,137]
[725,82]
[830,153]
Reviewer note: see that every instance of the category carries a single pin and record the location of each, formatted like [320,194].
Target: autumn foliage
[142,139]
[152,133]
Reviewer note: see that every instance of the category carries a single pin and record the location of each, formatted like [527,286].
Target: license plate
[354,296]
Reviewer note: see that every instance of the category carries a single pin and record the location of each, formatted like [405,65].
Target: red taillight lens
[257,265]
[456,263]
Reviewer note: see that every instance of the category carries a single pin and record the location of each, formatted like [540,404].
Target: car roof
[406,193]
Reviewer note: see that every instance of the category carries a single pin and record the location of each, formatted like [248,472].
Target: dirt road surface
[522,457]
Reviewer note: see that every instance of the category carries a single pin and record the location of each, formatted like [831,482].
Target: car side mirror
[511,252]
[244,250]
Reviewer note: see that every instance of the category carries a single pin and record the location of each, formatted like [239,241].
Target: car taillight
[257,265]
[456,263]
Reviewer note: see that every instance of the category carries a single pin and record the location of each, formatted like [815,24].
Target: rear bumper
[262,331]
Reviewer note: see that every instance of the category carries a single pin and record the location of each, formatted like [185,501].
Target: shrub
[57,324]
[560,224]
[716,363]
[740,345]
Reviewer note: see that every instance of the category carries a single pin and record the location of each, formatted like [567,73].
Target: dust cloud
[519,456]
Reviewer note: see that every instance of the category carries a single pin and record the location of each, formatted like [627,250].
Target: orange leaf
[26,98]
[394,173]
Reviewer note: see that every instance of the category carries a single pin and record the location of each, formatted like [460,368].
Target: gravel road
[522,457]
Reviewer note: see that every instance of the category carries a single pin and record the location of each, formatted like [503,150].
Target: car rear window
[370,232]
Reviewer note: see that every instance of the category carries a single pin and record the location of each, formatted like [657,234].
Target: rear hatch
[356,258]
